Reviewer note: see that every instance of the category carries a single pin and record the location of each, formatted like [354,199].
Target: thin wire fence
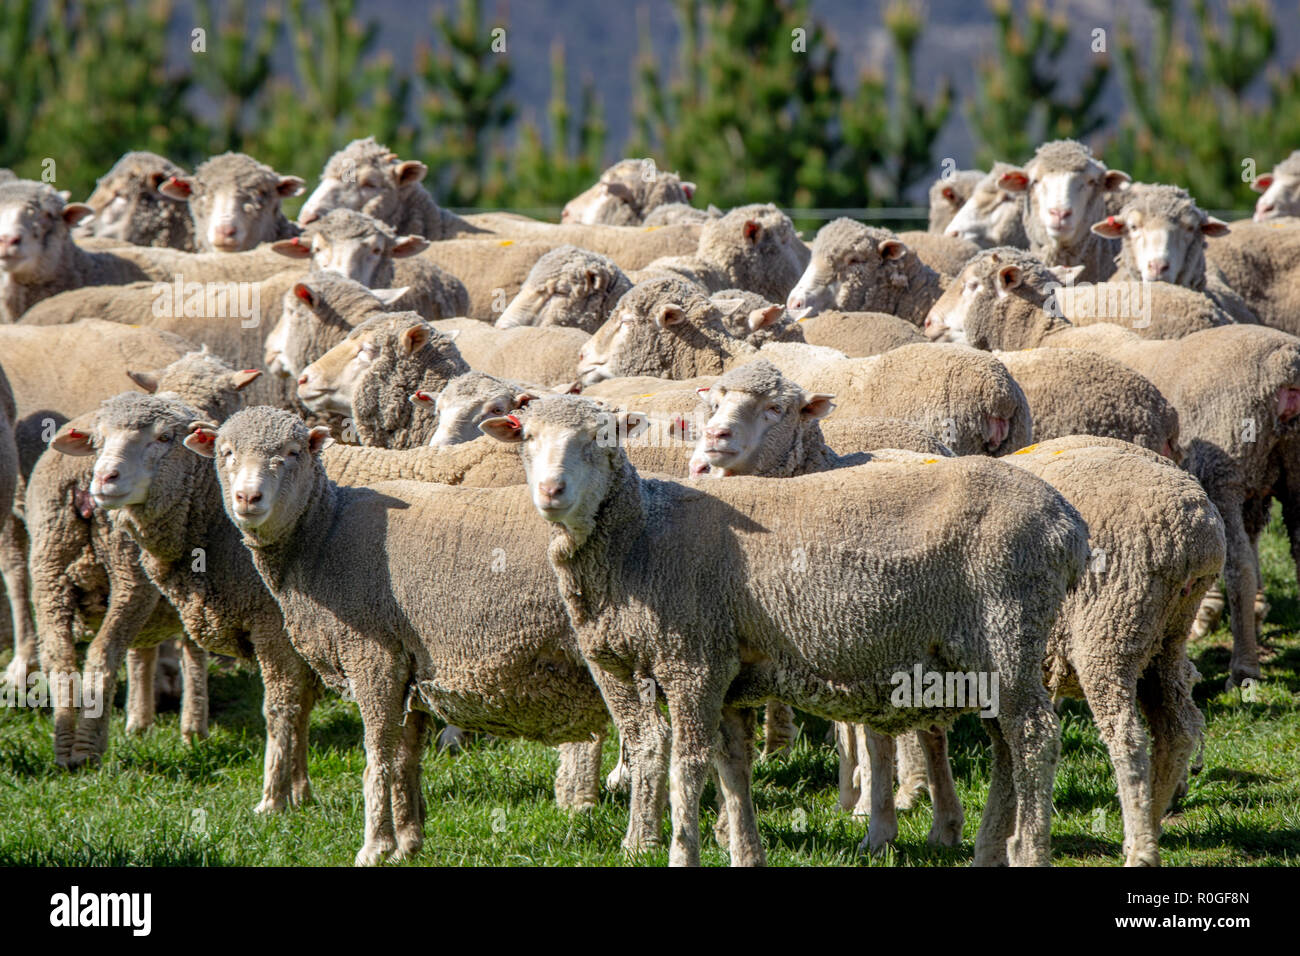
[864,213]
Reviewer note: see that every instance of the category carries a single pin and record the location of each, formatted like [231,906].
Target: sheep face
[992,214]
[1281,191]
[366,178]
[566,286]
[265,460]
[948,194]
[34,228]
[975,305]
[741,424]
[375,347]
[126,201]
[654,330]
[234,201]
[352,245]
[310,304]
[467,402]
[1164,239]
[1066,189]
[848,261]
[609,202]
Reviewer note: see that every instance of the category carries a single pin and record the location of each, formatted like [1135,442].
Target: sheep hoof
[269,805]
[879,836]
[374,855]
[16,672]
[408,844]
[1148,856]
[945,832]
[908,794]
[137,727]
[192,737]
[619,779]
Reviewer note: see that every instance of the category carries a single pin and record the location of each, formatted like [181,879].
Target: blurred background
[822,106]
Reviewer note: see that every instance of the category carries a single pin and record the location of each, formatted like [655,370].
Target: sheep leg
[54,611]
[1210,612]
[1114,710]
[694,713]
[644,735]
[129,607]
[194,693]
[1165,695]
[862,778]
[912,780]
[407,795]
[286,680]
[13,567]
[734,762]
[141,701]
[948,816]
[846,746]
[577,780]
[381,698]
[779,730]
[883,828]
[1240,586]
[308,692]
[1033,736]
[999,819]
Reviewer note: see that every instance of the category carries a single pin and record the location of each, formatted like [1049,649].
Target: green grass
[156,802]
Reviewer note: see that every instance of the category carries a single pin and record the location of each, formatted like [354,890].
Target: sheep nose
[10,240]
[551,489]
[247,497]
[1157,267]
[107,476]
[302,379]
[1060,215]
[717,433]
[794,303]
[954,233]
[226,232]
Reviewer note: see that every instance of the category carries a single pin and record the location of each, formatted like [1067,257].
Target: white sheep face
[990,217]
[1061,200]
[459,416]
[1281,196]
[25,228]
[328,384]
[126,462]
[815,291]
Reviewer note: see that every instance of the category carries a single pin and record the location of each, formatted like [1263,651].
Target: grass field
[156,802]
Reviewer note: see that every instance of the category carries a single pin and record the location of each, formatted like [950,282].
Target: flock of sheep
[467,467]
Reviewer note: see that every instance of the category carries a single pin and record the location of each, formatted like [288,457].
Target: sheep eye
[164,438]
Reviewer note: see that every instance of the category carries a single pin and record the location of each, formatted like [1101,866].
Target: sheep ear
[671,314]
[728,306]
[763,318]
[74,212]
[1067,275]
[305,292]
[689,189]
[423,399]
[1117,180]
[290,186]
[202,439]
[293,248]
[815,406]
[948,193]
[1262,183]
[506,428]
[703,391]
[244,378]
[595,280]
[1014,180]
[1008,277]
[615,188]
[891,249]
[415,337]
[390,296]
[752,231]
[177,187]
[409,172]
[523,398]
[146,380]
[409,246]
[156,178]
[567,388]
[1214,228]
[1110,227]
[318,439]
[72,440]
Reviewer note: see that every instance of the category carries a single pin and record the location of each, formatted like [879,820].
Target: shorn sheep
[719,629]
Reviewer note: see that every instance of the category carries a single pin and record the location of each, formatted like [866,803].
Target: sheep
[700,630]
[40,258]
[1075,392]
[318,311]
[1235,389]
[944,254]
[95,357]
[679,213]
[746,316]
[1163,237]
[859,268]
[567,286]
[752,247]
[170,505]
[1261,263]
[366,619]
[86,574]
[948,194]
[9,477]
[1280,189]
[666,326]
[994,213]
[545,354]
[234,202]
[750,316]
[128,207]
[1067,190]
[379,365]
[467,400]
[626,193]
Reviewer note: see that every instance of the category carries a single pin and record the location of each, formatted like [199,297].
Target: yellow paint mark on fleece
[1026,450]
[506,242]
[650,228]
[929,461]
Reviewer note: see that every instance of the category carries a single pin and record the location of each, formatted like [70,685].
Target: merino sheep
[86,575]
[1235,388]
[1163,236]
[1280,189]
[858,268]
[680,213]
[746,316]
[95,358]
[545,354]
[369,623]
[128,207]
[700,630]
[467,400]
[753,247]
[626,193]
[1067,191]
[568,286]
[944,254]
[1261,263]
[234,202]
[948,194]
[994,213]
[169,503]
